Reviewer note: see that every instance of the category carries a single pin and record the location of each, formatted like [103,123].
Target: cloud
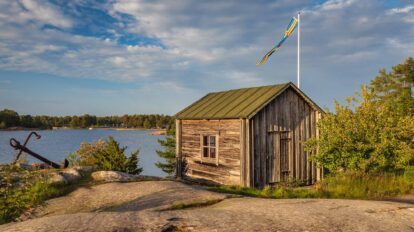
[407,12]
[402,10]
[201,46]
[33,11]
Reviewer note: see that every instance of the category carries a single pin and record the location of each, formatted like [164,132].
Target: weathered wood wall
[286,122]
[228,169]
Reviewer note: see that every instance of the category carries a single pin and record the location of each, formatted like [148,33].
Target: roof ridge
[234,103]
[254,87]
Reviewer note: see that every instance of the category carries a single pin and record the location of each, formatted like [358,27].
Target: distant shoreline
[154,131]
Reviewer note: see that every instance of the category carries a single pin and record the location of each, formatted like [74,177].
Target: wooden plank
[289,125]
[296,138]
[227,146]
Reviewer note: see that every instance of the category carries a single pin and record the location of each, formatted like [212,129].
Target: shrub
[22,189]
[106,155]
[374,131]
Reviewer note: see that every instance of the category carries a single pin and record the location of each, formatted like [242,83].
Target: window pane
[213,141]
[205,140]
[205,152]
[212,153]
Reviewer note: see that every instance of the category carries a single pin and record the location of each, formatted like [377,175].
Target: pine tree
[168,152]
[132,164]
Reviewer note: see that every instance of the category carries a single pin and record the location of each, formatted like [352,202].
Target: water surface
[57,144]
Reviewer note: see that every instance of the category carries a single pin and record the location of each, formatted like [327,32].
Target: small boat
[90,128]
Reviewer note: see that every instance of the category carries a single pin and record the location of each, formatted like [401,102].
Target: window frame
[208,159]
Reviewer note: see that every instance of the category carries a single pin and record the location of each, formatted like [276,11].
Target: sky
[143,56]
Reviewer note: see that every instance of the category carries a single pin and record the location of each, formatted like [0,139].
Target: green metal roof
[236,103]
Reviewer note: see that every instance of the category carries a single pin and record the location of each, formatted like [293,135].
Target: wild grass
[346,186]
[21,190]
[181,205]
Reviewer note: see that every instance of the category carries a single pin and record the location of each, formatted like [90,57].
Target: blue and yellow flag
[291,27]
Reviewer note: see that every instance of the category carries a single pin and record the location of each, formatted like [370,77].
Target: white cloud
[336,4]
[207,45]
[34,11]
[402,10]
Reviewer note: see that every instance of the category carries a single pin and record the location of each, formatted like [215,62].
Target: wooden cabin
[250,137]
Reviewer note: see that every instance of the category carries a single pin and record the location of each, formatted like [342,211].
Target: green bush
[106,155]
[373,131]
[22,189]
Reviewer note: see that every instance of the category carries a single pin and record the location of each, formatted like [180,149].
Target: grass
[347,186]
[21,190]
[181,205]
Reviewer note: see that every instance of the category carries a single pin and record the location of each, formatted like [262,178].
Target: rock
[111,176]
[71,175]
[83,169]
[56,178]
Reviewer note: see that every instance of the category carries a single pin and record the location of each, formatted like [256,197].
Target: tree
[9,118]
[168,151]
[373,131]
[147,124]
[75,122]
[132,164]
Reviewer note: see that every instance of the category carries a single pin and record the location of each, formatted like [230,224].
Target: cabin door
[281,157]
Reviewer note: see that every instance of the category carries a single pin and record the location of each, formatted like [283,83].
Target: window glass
[205,140]
[208,147]
[213,141]
[212,153]
[205,152]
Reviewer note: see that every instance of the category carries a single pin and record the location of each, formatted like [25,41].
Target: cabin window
[209,147]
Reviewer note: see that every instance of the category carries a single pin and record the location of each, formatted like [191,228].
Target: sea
[55,145]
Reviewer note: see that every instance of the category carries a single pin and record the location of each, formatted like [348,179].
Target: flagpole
[299,49]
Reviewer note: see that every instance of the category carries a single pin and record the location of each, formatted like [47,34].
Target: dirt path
[140,206]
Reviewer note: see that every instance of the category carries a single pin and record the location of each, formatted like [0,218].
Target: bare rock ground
[144,206]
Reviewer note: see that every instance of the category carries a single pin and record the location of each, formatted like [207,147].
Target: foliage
[106,155]
[373,131]
[132,164]
[349,185]
[10,118]
[168,152]
[21,190]
[74,159]
[87,152]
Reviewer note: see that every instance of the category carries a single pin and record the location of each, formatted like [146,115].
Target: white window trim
[209,160]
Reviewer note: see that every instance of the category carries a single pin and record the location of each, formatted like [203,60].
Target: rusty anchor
[22,148]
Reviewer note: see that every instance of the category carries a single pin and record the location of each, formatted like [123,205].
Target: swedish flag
[289,30]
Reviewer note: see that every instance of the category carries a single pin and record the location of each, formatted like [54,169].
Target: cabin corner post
[244,153]
[178,150]
[247,153]
[319,170]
